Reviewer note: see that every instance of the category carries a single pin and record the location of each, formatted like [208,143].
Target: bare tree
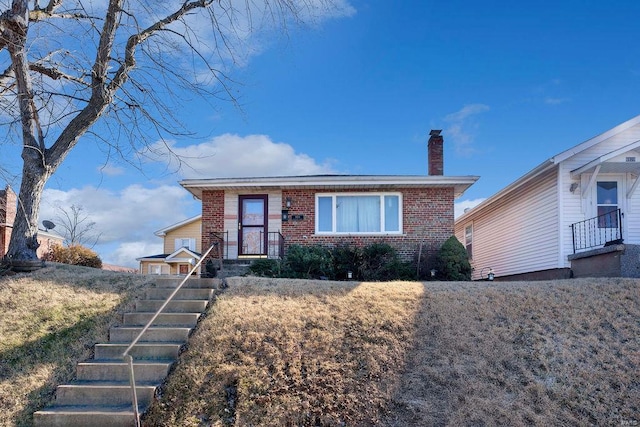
[76,227]
[115,70]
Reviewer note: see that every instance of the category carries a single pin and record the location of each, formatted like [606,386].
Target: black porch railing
[275,245]
[599,231]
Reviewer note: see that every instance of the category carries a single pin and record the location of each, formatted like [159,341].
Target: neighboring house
[576,214]
[182,243]
[261,217]
[8,211]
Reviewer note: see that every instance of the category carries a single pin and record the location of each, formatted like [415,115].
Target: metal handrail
[129,359]
[597,231]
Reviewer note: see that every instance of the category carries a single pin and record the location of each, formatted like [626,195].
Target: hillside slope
[286,352]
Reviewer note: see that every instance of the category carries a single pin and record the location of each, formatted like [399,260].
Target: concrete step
[108,393]
[140,351]
[174,281]
[144,371]
[122,334]
[175,306]
[163,319]
[83,416]
[182,294]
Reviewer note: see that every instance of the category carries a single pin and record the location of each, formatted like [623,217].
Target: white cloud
[111,170]
[462,128]
[125,220]
[234,156]
[460,207]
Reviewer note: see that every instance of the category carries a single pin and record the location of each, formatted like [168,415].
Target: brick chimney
[435,151]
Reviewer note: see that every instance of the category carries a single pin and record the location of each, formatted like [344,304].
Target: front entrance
[608,201]
[252,225]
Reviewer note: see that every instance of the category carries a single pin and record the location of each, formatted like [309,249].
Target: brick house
[8,211]
[260,217]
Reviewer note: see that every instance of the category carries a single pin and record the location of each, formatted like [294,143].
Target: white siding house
[576,214]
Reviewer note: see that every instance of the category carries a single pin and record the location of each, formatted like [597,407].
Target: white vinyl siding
[519,233]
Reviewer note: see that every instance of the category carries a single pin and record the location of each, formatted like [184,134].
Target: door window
[252,229]
[607,201]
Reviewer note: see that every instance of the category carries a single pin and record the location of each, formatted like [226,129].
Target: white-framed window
[185,243]
[158,269]
[359,213]
[468,240]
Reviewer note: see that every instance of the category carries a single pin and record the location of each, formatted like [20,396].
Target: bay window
[352,213]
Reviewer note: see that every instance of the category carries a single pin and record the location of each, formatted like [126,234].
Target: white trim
[633,187]
[592,181]
[597,162]
[329,183]
[597,139]
[380,194]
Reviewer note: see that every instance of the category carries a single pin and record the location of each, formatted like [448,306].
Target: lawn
[50,320]
[285,352]
[289,352]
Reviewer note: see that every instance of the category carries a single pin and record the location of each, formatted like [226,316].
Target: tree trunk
[24,236]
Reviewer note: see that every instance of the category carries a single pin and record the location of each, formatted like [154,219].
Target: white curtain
[357,214]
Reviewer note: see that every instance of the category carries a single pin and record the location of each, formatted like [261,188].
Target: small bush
[380,262]
[265,268]
[346,259]
[210,270]
[452,262]
[75,255]
[308,262]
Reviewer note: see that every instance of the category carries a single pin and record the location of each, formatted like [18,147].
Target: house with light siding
[260,217]
[576,214]
[181,249]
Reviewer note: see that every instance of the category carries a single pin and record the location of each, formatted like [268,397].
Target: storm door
[252,225]
[608,205]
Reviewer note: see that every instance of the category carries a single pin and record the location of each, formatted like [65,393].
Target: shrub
[308,262]
[452,262]
[210,270]
[75,255]
[265,268]
[346,259]
[380,262]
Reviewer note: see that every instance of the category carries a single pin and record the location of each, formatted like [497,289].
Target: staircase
[101,394]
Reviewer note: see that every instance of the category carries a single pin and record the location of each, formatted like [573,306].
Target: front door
[608,200]
[252,225]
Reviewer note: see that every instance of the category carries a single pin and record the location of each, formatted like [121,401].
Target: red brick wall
[8,211]
[212,216]
[427,214]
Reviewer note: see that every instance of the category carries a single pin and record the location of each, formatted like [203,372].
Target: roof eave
[460,183]
[538,170]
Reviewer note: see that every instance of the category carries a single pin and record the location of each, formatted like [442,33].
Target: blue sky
[510,83]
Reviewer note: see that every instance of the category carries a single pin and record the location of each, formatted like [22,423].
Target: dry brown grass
[49,320]
[284,352]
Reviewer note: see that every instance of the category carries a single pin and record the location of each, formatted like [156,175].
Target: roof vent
[630,160]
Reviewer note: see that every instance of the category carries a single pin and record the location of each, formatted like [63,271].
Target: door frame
[620,179]
[264,226]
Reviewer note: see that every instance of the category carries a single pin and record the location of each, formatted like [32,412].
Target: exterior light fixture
[433,272]
[287,202]
[490,276]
